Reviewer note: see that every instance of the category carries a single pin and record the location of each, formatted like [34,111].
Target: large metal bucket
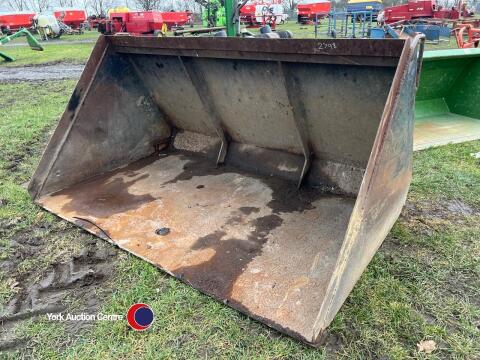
[447,104]
[263,172]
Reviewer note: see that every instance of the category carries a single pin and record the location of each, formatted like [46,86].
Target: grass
[52,53]
[55,50]
[86,36]
[423,283]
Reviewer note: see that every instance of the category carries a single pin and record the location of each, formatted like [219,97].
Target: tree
[39,5]
[148,5]
[289,4]
[19,5]
[100,7]
[67,3]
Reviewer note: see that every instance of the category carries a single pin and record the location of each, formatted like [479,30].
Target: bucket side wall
[383,190]
[111,124]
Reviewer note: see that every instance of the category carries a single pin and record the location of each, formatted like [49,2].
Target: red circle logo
[140,317]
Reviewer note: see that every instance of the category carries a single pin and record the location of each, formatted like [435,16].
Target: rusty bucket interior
[263,172]
[447,106]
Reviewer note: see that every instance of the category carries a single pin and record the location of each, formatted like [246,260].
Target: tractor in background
[134,22]
[138,23]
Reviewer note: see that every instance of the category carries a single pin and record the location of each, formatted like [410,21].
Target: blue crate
[377,33]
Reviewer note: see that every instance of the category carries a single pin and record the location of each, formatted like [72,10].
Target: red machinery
[472,34]
[11,22]
[247,13]
[308,9]
[94,21]
[135,23]
[71,17]
[143,22]
[420,9]
[176,18]
[256,13]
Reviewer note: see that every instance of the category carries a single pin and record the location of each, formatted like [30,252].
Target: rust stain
[217,275]
[109,196]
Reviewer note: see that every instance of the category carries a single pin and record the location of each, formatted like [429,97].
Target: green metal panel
[464,97]
[431,107]
[439,76]
[450,54]
[447,107]
[229,17]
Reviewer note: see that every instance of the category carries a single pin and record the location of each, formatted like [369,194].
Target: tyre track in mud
[80,278]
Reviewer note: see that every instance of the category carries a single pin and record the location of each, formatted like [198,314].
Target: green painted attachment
[447,108]
[6,57]
[32,42]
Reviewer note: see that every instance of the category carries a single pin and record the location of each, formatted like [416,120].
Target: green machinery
[222,13]
[32,42]
[214,13]
[447,109]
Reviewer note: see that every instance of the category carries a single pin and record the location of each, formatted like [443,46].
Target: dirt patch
[445,210]
[426,218]
[41,72]
[459,208]
[30,148]
[76,283]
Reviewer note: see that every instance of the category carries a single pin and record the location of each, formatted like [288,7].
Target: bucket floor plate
[258,243]
[444,129]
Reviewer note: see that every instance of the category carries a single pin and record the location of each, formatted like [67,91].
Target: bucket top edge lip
[355,47]
[451,53]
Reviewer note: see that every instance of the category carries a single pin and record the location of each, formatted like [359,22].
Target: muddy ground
[41,72]
[75,282]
